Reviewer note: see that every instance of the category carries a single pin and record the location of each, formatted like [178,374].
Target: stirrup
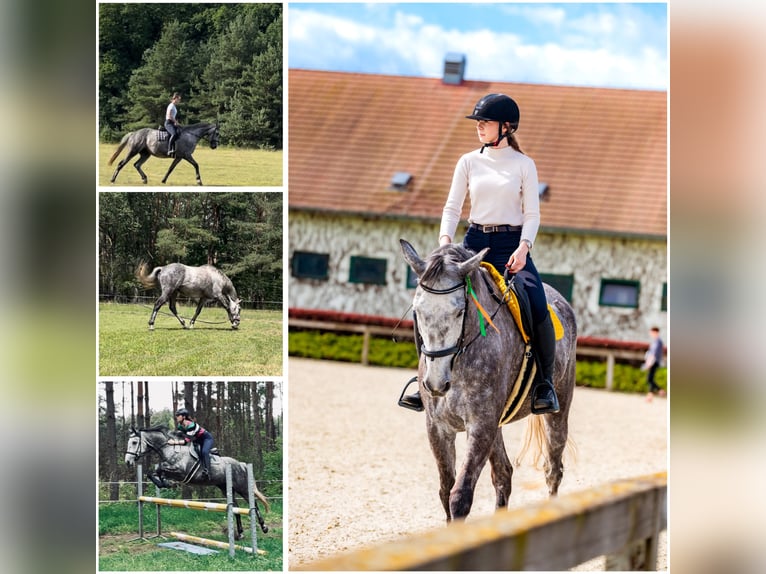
[412,402]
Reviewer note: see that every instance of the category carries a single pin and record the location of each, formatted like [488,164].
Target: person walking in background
[505,216]
[193,432]
[171,123]
[652,361]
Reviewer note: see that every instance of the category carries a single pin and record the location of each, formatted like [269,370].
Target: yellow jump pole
[215,543]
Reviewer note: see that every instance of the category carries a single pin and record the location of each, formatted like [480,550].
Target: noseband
[457,349]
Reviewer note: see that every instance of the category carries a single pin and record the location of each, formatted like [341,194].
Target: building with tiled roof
[371,160]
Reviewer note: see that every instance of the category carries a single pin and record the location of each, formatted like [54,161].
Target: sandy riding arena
[361,471]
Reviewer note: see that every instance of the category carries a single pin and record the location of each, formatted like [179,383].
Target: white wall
[588,258]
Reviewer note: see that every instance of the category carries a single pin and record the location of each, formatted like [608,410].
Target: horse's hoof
[265,528]
[151,327]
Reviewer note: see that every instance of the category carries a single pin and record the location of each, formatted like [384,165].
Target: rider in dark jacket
[193,432]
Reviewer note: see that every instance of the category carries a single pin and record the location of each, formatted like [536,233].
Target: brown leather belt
[495,228]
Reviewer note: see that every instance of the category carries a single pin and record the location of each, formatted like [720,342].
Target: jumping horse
[467,373]
[181,463]
[148,142]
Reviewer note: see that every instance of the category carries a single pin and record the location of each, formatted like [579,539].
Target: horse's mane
[157,428]
[440,260]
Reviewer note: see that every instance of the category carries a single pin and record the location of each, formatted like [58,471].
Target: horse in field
[203,284]
[181,463]
[469,376]
[148,142]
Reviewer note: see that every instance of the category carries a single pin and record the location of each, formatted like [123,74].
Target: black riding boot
[172,145]
[413,401]
[544,398]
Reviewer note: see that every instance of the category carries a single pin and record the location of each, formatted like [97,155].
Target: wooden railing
[371,325]
[620,520]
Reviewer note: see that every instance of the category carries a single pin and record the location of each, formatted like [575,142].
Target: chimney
[454,69]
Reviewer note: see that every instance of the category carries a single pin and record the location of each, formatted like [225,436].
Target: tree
[110,456]
[167,67]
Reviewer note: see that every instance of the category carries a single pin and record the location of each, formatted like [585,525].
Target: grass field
[224,166]
[127,347]
[119,550]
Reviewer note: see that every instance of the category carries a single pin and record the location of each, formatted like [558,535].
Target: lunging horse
[148,141]
[181,463]
[466,379]
[205,283]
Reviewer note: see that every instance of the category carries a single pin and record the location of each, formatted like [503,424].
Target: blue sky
[614,45]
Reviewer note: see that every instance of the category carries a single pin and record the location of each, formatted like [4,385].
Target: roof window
[400,181]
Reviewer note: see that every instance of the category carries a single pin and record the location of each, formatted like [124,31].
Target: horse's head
[440,305]
[214,137]
[234,311]
[134,449]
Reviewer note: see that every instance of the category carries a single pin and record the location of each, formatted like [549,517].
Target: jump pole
[215,543]
[229,508]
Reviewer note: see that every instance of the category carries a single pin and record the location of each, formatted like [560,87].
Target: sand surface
[361,471]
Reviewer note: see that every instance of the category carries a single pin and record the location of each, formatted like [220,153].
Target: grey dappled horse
[146,142]
[465,379]
[203,284]
[181,463]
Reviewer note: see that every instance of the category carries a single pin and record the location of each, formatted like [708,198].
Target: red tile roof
[603,152]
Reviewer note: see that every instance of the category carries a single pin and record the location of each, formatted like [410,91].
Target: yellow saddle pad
[513,304]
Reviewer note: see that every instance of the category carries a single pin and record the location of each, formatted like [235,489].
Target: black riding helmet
[182,411]
[498,108]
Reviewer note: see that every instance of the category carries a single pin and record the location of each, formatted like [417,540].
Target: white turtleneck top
[504,191]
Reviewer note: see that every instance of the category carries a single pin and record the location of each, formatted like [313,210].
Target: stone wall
[589,258]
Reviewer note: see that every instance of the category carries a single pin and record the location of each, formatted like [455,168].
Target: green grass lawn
[119,549]
[127,347]
[224,166]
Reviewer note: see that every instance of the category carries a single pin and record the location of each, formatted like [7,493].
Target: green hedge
[386,353]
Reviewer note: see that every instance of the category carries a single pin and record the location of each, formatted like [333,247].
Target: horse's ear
[412,257]
[473,263]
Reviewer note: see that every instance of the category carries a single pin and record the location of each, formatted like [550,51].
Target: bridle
[139,453]
[459,348]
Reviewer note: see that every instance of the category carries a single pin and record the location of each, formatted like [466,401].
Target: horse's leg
[502,471]
[557,433]
[172,305]
[171,168]
[200,305]
[556,430]
[190,159]
[225,304]
[443,446]
[258,517]
[161,300]
[122,164]
[144,156]
[479,444]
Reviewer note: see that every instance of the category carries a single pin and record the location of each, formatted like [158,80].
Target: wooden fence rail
[621,520]
[368,326]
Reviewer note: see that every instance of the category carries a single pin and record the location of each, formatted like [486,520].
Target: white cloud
[599,49]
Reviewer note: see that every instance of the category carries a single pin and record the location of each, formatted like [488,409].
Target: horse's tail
[259,495]
[148,280]
[122,145]
[536,441]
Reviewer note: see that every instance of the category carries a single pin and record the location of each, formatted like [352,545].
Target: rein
[187,318]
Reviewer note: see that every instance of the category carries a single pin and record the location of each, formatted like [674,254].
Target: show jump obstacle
[229,508]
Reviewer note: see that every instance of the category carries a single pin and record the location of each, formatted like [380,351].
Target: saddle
[162,134]
[521,311]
